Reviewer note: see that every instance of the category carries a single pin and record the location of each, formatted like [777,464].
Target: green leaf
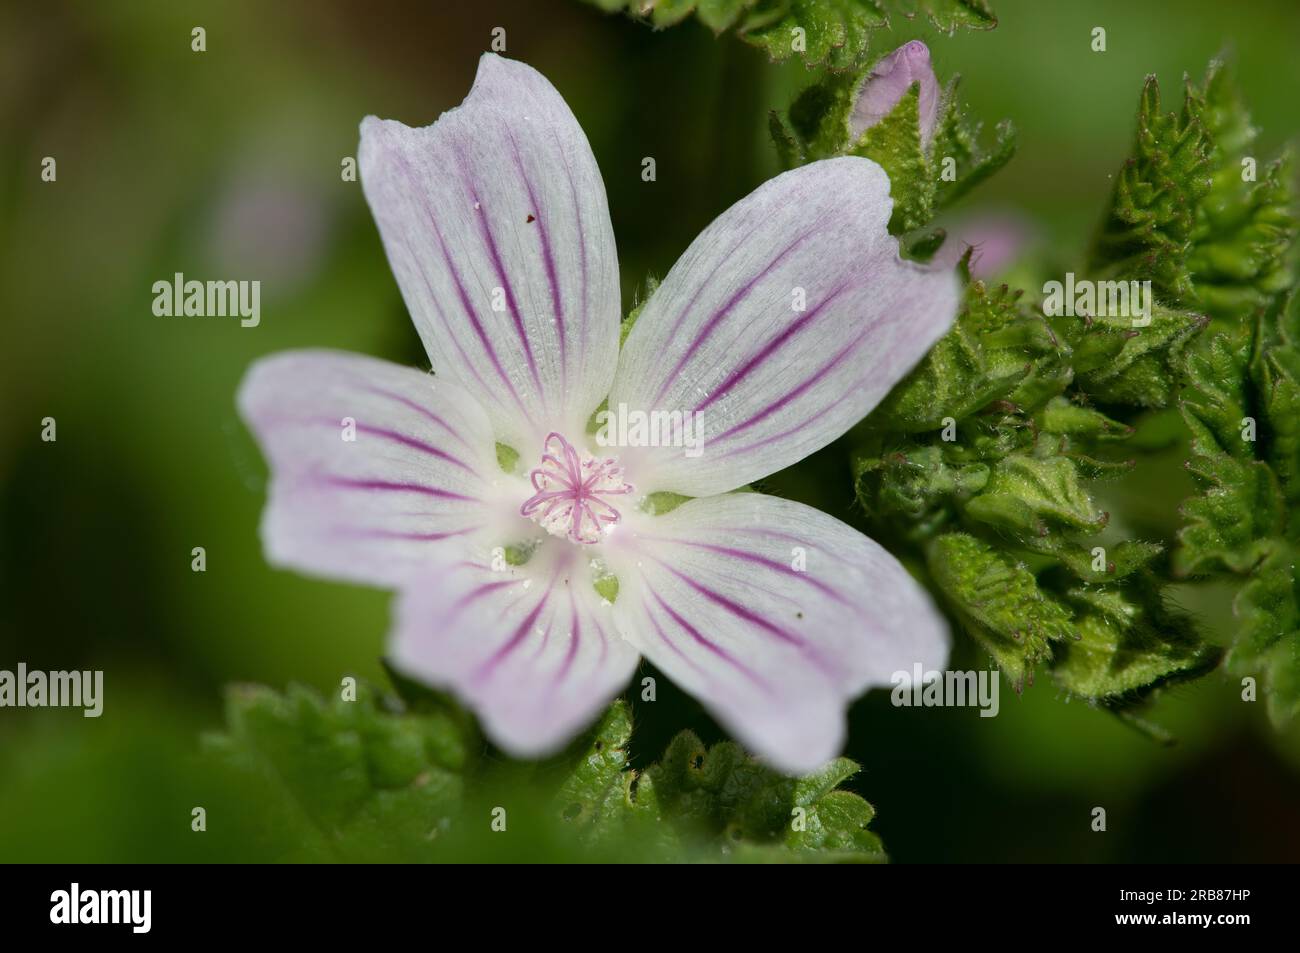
[1246,223]
[341,780]
[1194,209]
[838,33]
[1235,522]
[1275,374]
[1241,411]
[919,488]
[600,799]
[736,808]
[301,778]
[1268,644]
[959,159]
[1147,232]
[1000,602]
[1125,649]
[1030,497]
[994,348]
[1147,370]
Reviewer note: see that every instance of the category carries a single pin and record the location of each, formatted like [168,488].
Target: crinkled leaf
[1147,232]
[1000,601]
[959,156]
[1147,370]
[1194,209]
[1123,649]
[719,796]
[834,32]
[341,780]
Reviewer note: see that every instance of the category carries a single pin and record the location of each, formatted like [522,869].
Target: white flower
[772,613]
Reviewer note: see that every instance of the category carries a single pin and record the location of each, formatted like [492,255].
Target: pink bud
[887,83]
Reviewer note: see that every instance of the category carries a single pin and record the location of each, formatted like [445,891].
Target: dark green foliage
[380,779]
[836,33]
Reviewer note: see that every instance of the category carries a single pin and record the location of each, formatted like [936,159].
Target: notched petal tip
[496,226]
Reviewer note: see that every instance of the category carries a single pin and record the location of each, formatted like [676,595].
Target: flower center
[571,486]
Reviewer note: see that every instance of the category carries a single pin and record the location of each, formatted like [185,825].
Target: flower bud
[887,83]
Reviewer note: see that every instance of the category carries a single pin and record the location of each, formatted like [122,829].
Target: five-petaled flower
[774,614]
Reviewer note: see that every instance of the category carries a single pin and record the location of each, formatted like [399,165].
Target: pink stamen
[571,490]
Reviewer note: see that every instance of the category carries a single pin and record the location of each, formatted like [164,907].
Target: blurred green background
[226,164]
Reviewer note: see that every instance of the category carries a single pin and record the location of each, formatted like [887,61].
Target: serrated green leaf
[1275,373]
[959,159]
[1238,517]
[1146,371]
[1000,601]
[1147,232]
[1268,645]
[721,796]
[1032,496]
[1124,650]
[342,780]
[994,348]
[1194,211]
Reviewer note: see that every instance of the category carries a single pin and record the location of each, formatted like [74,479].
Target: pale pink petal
[373,466]
[782,325]
[532,649]
[773,614]
[497,229]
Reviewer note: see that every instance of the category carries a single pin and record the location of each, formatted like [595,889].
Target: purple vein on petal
[708,279]
[740,612]
[711,646]
[359,532]
[382,433]
[540,650]
[735,608]
[494,253]
[461,292]
[396,487]
[582,232]
[771,347]
[414,443]
[485,670]
[479,592]
[465,362]
[795,392]
[604,643]
[774,564]
[711,325]
[548,259]
[419,409]
[848,393]
[575,637]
